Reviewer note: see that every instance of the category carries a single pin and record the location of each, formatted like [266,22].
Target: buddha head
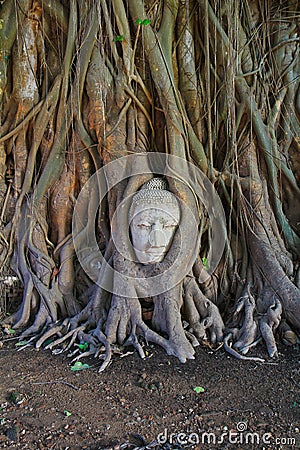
[153,217]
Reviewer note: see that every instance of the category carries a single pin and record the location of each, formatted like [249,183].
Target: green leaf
[138,22]
[79,366]
[67,413]
[20,344]
[205,262]
[84,346]
[146,22]
[119,38]
[11,331]
[198,389]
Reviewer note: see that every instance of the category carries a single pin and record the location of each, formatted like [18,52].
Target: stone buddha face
[154,216]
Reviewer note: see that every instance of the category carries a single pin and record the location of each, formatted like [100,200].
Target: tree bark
[84,84]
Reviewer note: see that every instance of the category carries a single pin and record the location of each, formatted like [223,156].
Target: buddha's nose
[157,236]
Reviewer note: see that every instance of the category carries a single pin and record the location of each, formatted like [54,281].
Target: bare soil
[45,405]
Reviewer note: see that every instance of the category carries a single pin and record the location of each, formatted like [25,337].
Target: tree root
[250,333]
[167,319]
[268,324]
[202,314]
[246,335]
[229,349]
[56,329]
[123,326]
[73,334]
[288,336]
[42,298]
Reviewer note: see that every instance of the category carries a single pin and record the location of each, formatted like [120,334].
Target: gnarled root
[125,319]
[288,336]
[167,319]
[233,352]
[250,333]
[247,334]
[240,338]
[42,301]
[120,327]
[93,315]
[268,325]
[202,314]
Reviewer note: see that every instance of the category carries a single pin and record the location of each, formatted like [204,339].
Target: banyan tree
[171,125]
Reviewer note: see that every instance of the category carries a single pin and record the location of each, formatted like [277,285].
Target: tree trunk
[97,98]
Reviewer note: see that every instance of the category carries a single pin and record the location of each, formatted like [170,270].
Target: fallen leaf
[80,366]
[21,343]
[198,389]
[84,346]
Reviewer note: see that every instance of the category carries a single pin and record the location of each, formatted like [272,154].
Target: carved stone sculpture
[153,218]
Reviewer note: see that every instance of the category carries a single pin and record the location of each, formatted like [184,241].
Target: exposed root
[84,354]
[29,343]
[21,317]
[133,340]
[167,319]
[247,334]
[268,325]
[228,347]
[73,334]
[95,337]
[250,333]
[202,314]
[193,340]
[244,350]
[124,324]
[42,299]
[42,320]
[288,336]
[56,329]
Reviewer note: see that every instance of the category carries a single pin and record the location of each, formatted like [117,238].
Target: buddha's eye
[170,225]
[143,226]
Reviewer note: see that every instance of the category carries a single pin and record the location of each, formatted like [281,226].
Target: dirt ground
[212,402]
